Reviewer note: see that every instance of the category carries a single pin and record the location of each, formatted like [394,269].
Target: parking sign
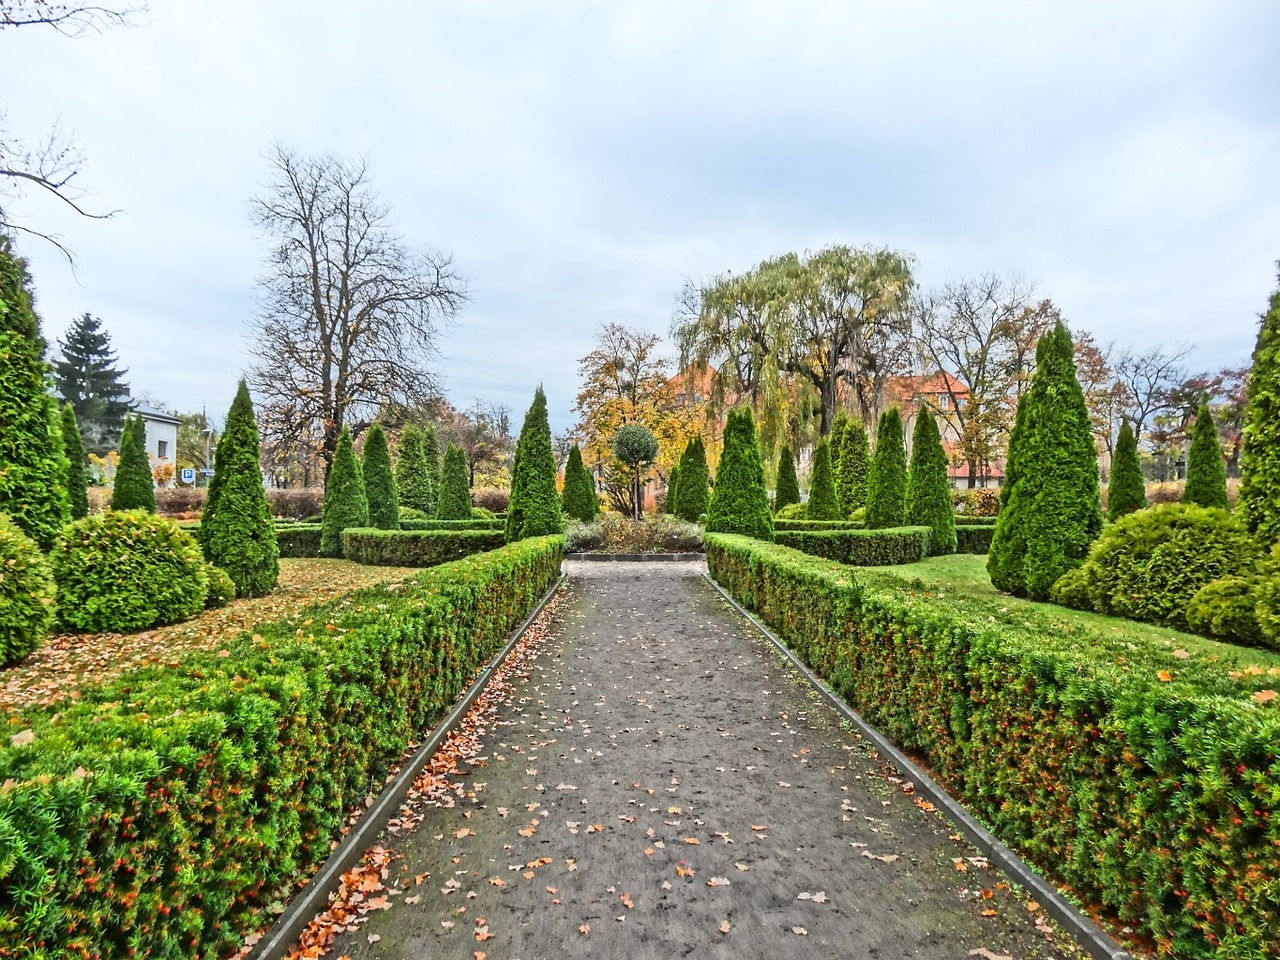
[188,475]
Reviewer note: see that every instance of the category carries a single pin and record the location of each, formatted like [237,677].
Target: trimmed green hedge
[974,537]
[416,548]
[161,814]
[1140,774]
[861,548]
[969,520]
[299,539]
[472,524]
[803,525]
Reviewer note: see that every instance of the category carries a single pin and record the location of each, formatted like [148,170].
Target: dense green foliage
[454,501]
[434,457]
[214,784]
[1206,470]
[299,539]
[1127,491]
[635,445]
[784,523]
[579,499]
[77,465]
[887,481]
[1158,798]
[792,511]
[1050,504]
[380,481]
[134,488]
[974,537]
[929,487]
[673,486]
[221,590]
[26,594]
[416,548]
[861,548]
[740,502]
[1226,610]
[413,474]
[853,467]
[534,508]
[87,377]
[237,531]
[1259,497]
[787,490]
[345,502]
[1266,593]
[474,523]
[694,492]
[823,504]
[124,571]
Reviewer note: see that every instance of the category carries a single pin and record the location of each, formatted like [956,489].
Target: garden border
[638,557]
[1096,942]
[312,899]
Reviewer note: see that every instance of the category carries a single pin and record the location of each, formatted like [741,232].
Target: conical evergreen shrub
[534,508]
[673,487]
[435,464]
[77,464]
[1206,470]
[1051,503]
[694,493]
[413,476]
[134,487]
[853,468]
[788,488]
[839,441]
[455,486]
[1127,491]
[823,504]
[929,487]
[237,531]
[1259,497]
[740,502]
[345,502]
[887,483]
[380,481]
[579,499]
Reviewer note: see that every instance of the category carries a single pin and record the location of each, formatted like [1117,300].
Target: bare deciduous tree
[1147,380]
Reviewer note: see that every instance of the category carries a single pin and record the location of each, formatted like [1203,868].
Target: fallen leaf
[758,826]
[648,851]
[627,901]
[800,931]
[463,833]
[692,841]
[497,882]
[742,866]
[374,938]
[1164,676]
[584,929]
[891,857]
[1181,654]
[1265,696]
[23,738]
[479,955]
[724,926]
[990,913]
[718,882]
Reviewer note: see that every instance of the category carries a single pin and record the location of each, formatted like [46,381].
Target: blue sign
[188,475]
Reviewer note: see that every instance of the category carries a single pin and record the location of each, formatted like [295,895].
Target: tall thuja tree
[853,468]
[887,483]
[1206,470]
[1051,510]
[134,488]
[673,489]
[454,502]
[1127,491]
[929,488]
[694,493]
[413,479]
[435,462]
[836,441]
[345,502]
[77,464]
[788,489]
[380,481]
[1259,498]
[740,502]
[33,465]
[534,508]
[823,504]
[579,500]
[87,377]
[237,531]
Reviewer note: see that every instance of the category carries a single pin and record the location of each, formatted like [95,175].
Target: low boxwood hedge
[974,537]
[1142,774]
[472,524]
[968,520]
[416,548]
[298,539]
[861,548]
[803,525]
[161,814]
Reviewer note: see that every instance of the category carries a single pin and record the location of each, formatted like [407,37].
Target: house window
[162,448]
[944,401]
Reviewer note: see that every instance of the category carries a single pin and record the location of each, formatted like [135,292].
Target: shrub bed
[160,814]
[475,523]
[416,548]
[861,548]
[974,537]
[1142,776]
[803,525]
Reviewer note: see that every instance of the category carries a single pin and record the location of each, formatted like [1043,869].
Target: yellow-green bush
[26,594]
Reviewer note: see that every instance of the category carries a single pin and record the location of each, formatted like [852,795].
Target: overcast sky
[581,159]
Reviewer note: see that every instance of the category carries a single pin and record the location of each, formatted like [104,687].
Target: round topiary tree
[929,488]
[1206,470]
[77,464]
[123,571]
[1127,491]
[534,507]
[1259,496]
[636,446]
[455,486]
[380,481]
[134,489]
[853,469]
[823,504]
[673,487]
[579,499]
[788,488]
[26,594]
[237,531]
[413,476]
[887,483]
[345,502]
[740,502]
[694,492]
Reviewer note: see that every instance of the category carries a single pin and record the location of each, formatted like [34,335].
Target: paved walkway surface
[662,785]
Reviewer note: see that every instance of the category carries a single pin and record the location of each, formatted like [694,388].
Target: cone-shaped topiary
[673,487]
[77,464]
[26,594]
[928,487]
[694,492]
[823,504]
[534,507]
[134,488]
[413,476]
[1051,510]
[1206,471]
[740,502]
[853,468]
[1127,491]
[435,462]
[579,501]
[345,503]
[1259,497]
[887,483]
[788,489]
[455,486]
[839,441]
[379,481]
[237,531]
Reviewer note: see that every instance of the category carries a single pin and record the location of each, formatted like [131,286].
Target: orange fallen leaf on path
[584,929]
[692,841]
[1164,676]
[724,926]
[1265,696]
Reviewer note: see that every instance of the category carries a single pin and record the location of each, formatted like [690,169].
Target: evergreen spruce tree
[840,439]
[455,486]
[534,508]
[380,481]
[823,503]
[1127,491]
[579,499]
[1206,471]
[694,493]
[929,488]
[740,502]
[345,502]
[33,464]
[887,483]
[237,531]
[853,469]
[1259,498]
[134,487]
[1051,505]
[788,489]
[434,457]
[673,489]
[413,478]
[77,464]
[87,377]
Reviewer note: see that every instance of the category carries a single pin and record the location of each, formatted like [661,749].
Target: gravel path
[662,786]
